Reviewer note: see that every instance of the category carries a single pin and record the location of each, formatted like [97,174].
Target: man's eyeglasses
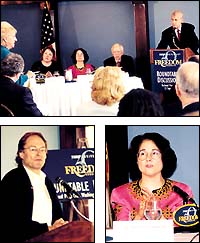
[35,150]
[155,154]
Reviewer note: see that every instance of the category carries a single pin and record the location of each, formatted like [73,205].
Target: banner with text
[165,66]
[75,167]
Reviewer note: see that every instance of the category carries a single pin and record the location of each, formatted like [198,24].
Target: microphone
[183,194]
[70,191]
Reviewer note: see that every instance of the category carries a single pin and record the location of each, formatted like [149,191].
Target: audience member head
[48,54]
[187,83]
[12,65]
[117,51]
[194,58]
[22,144]
[140,102]
[176,19]
[168,156]
[107,86]
[79,55]
[8,35]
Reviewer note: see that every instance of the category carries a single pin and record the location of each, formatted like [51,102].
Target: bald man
[120,59]
[170,36]
[187,88]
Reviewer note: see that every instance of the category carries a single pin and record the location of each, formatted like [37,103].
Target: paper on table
[143,231]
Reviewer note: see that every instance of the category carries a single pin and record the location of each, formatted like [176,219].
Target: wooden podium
[76,231]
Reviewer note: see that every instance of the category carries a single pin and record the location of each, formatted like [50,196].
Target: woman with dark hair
[140,102]
[29,201]
[152,162]
[47,65]
[80,66]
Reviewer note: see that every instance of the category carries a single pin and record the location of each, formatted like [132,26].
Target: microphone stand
[70,197]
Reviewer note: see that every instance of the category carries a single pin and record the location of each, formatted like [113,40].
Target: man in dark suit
[17,98]
[119,59]
[179,35]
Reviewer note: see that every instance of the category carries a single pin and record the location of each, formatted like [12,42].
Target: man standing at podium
[179,35]
[29,204]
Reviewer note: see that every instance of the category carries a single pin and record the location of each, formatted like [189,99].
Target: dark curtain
[117,144]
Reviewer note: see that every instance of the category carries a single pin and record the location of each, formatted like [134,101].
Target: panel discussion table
[56,97]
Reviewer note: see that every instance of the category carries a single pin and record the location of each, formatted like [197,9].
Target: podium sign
[75,167]
[165,66]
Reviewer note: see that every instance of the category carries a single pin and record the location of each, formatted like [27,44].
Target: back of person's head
[169,158]
[85,54]
[194,58]
[187,79]
[140,102]
[6,29]
[107,86]
[12,64]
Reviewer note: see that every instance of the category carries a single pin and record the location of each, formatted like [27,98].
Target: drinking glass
[68,75]
[88,71]
[56,74]
[152,209]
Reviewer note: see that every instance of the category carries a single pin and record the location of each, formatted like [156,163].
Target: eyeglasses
[35,150]
[155,154]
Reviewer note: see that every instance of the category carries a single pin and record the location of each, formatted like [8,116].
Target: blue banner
[165,66]
[75,167]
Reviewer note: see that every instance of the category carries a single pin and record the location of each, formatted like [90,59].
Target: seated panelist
[80,66]
[119,59]
[47,65]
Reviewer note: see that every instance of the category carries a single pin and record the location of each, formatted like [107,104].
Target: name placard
[143,231]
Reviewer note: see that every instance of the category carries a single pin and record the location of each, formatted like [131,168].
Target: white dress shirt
[42,204]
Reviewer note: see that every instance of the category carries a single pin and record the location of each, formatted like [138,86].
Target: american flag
[47,32]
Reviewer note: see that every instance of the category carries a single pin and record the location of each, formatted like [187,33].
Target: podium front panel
[165,65]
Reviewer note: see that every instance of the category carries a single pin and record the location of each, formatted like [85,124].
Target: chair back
[5,111]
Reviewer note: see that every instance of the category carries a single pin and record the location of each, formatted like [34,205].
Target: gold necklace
[80,68]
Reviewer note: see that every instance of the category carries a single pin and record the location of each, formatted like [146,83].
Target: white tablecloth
[178,237]
[57,98]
